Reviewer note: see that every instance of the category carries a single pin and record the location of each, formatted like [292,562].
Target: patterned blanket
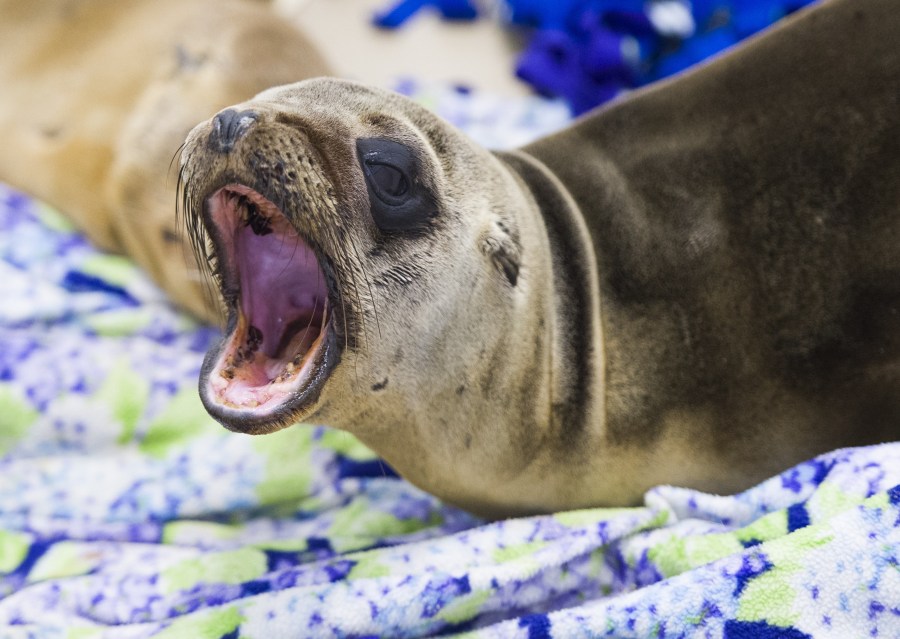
[126,512]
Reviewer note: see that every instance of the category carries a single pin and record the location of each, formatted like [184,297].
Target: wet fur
[97,96]
[706,277]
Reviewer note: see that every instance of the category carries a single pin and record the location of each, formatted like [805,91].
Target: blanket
[126,512]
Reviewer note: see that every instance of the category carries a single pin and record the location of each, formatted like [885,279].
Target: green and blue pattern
[126,512]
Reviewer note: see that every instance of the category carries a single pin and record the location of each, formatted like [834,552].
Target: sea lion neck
[541,348]
[578,354]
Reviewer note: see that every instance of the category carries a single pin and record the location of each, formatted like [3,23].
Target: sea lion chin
[697,285]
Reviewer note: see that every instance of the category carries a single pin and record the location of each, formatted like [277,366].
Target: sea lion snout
[228,127]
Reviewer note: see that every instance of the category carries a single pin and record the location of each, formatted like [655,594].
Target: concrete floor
[478,54]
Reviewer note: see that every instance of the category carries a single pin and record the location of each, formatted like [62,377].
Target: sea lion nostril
[228,127]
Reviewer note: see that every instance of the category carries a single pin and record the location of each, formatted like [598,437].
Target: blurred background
[473,53]
[583,51]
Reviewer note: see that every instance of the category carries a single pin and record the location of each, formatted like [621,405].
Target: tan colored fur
[97,95]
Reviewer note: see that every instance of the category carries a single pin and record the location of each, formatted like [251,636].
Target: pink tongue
[280,283]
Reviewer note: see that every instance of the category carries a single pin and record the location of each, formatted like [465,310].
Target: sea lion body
[698,285]
[98,95]
[746,223]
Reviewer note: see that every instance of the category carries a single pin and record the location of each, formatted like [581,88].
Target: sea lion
[697,285]
[97,96]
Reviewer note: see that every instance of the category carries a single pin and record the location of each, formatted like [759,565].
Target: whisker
[180,225]
[282,204]
[172,161]
[316,302]
[352,270]
[189,221]
[368,285]
[332,236]
[346,330]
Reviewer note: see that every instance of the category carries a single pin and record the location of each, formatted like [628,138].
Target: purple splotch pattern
[126,512]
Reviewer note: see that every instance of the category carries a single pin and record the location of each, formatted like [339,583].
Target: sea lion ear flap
[503,251]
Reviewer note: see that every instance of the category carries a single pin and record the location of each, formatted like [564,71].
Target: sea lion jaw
[287,320]
[273,359]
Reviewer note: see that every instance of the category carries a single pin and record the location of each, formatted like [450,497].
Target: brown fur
[746,219]
[708,276]
[97,95]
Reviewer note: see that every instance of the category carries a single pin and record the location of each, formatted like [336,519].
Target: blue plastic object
[402,11]
[589,51]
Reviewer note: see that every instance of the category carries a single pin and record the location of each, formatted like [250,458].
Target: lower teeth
[286,373]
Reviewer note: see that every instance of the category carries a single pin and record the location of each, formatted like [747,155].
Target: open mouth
[271,363]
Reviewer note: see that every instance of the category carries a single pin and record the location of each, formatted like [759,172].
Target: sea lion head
[369,257]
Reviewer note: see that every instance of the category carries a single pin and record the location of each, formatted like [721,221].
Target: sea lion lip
[299,407]
[306,384]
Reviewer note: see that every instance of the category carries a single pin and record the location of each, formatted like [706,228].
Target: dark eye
[398,199]
[388,179]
